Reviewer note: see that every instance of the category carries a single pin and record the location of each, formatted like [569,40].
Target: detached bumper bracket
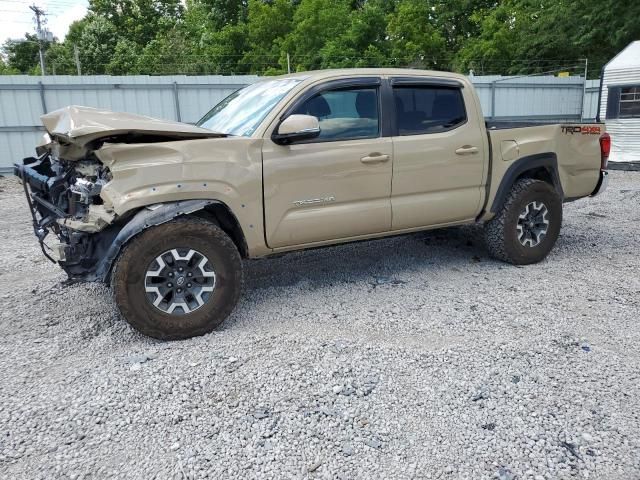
[39,230]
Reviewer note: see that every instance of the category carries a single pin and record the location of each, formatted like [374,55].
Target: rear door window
[428,109]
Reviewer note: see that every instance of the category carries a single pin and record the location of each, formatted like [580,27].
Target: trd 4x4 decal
[568,129]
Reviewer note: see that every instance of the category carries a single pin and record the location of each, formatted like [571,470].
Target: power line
[39,13]
[53,3]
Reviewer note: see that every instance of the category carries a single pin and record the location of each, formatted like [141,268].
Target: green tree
[218,35]
[140,21]
[315,22]
[455,19]
[96,45]
[169,54]
[602,29]
[125,59]
[23,55]
[59,59]
[268,24]
[364,43]
[527,36]
[493,49]
[6,69]
[197,20]
[225,12]
[222,51]
[254,36]
[572,30]
[415,37]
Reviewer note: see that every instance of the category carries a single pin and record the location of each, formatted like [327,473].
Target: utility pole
[288,63]
[39,13]
[584,88]
[76,55]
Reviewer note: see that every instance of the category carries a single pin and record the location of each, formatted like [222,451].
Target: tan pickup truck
[166,211]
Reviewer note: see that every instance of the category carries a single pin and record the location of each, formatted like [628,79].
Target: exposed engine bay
[64,198]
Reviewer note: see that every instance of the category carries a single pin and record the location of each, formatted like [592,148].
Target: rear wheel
[527,226]
[178,280]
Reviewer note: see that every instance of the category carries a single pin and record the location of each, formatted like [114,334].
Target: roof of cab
[342,72]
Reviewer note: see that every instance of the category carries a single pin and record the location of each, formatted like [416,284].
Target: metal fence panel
[541,98]
[590,104]
[24,98]
[186,98]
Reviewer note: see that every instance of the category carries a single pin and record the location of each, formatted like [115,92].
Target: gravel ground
[409,357]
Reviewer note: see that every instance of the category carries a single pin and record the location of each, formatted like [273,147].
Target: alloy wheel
[533,224]
[179,281]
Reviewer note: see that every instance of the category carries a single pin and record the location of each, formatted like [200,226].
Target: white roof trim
[627,58]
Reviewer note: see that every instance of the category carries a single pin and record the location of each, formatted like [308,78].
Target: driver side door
[337,185]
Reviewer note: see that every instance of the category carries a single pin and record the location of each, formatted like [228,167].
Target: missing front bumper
[77,252]
[37,206]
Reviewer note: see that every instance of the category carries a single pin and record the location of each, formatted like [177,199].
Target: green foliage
[542,35]
[364,42]
[496,41]
[225,12]
[415,37]
[255,36]
[75,30]
[22,55]
[96,45]
[222,51]
[315,23]
[59,59]
[139,21]
[125,59]
[171,54]
[6,69]
[268,24]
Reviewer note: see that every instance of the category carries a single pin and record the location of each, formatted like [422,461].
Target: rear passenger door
[439,153]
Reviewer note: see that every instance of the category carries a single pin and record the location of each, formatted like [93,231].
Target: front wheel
[527,226]
[178,280]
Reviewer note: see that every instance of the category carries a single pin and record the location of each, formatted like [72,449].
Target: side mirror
[296,127]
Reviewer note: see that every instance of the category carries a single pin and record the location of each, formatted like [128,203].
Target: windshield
[242,111]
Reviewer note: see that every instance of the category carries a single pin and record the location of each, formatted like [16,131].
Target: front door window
[345,114]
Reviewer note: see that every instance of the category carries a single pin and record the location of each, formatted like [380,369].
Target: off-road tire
[128,278]
[501,234]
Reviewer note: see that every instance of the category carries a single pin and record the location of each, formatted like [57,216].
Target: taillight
[605,148]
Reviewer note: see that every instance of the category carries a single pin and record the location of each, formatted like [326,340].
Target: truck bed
[567,154]
[504,124]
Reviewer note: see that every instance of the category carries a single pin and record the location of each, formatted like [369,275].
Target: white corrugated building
[620,103]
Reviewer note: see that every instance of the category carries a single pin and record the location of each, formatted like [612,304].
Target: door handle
[375,158]
[467,150]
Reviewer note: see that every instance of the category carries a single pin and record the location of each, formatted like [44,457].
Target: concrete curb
[627,166]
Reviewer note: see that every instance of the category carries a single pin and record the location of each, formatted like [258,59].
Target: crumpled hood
[80,125]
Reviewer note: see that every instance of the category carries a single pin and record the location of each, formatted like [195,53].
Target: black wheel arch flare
[541,166]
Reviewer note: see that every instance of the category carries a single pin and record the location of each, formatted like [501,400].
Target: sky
[16,19]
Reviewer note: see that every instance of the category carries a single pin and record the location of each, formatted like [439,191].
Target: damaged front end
[66,186]
[64,199]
